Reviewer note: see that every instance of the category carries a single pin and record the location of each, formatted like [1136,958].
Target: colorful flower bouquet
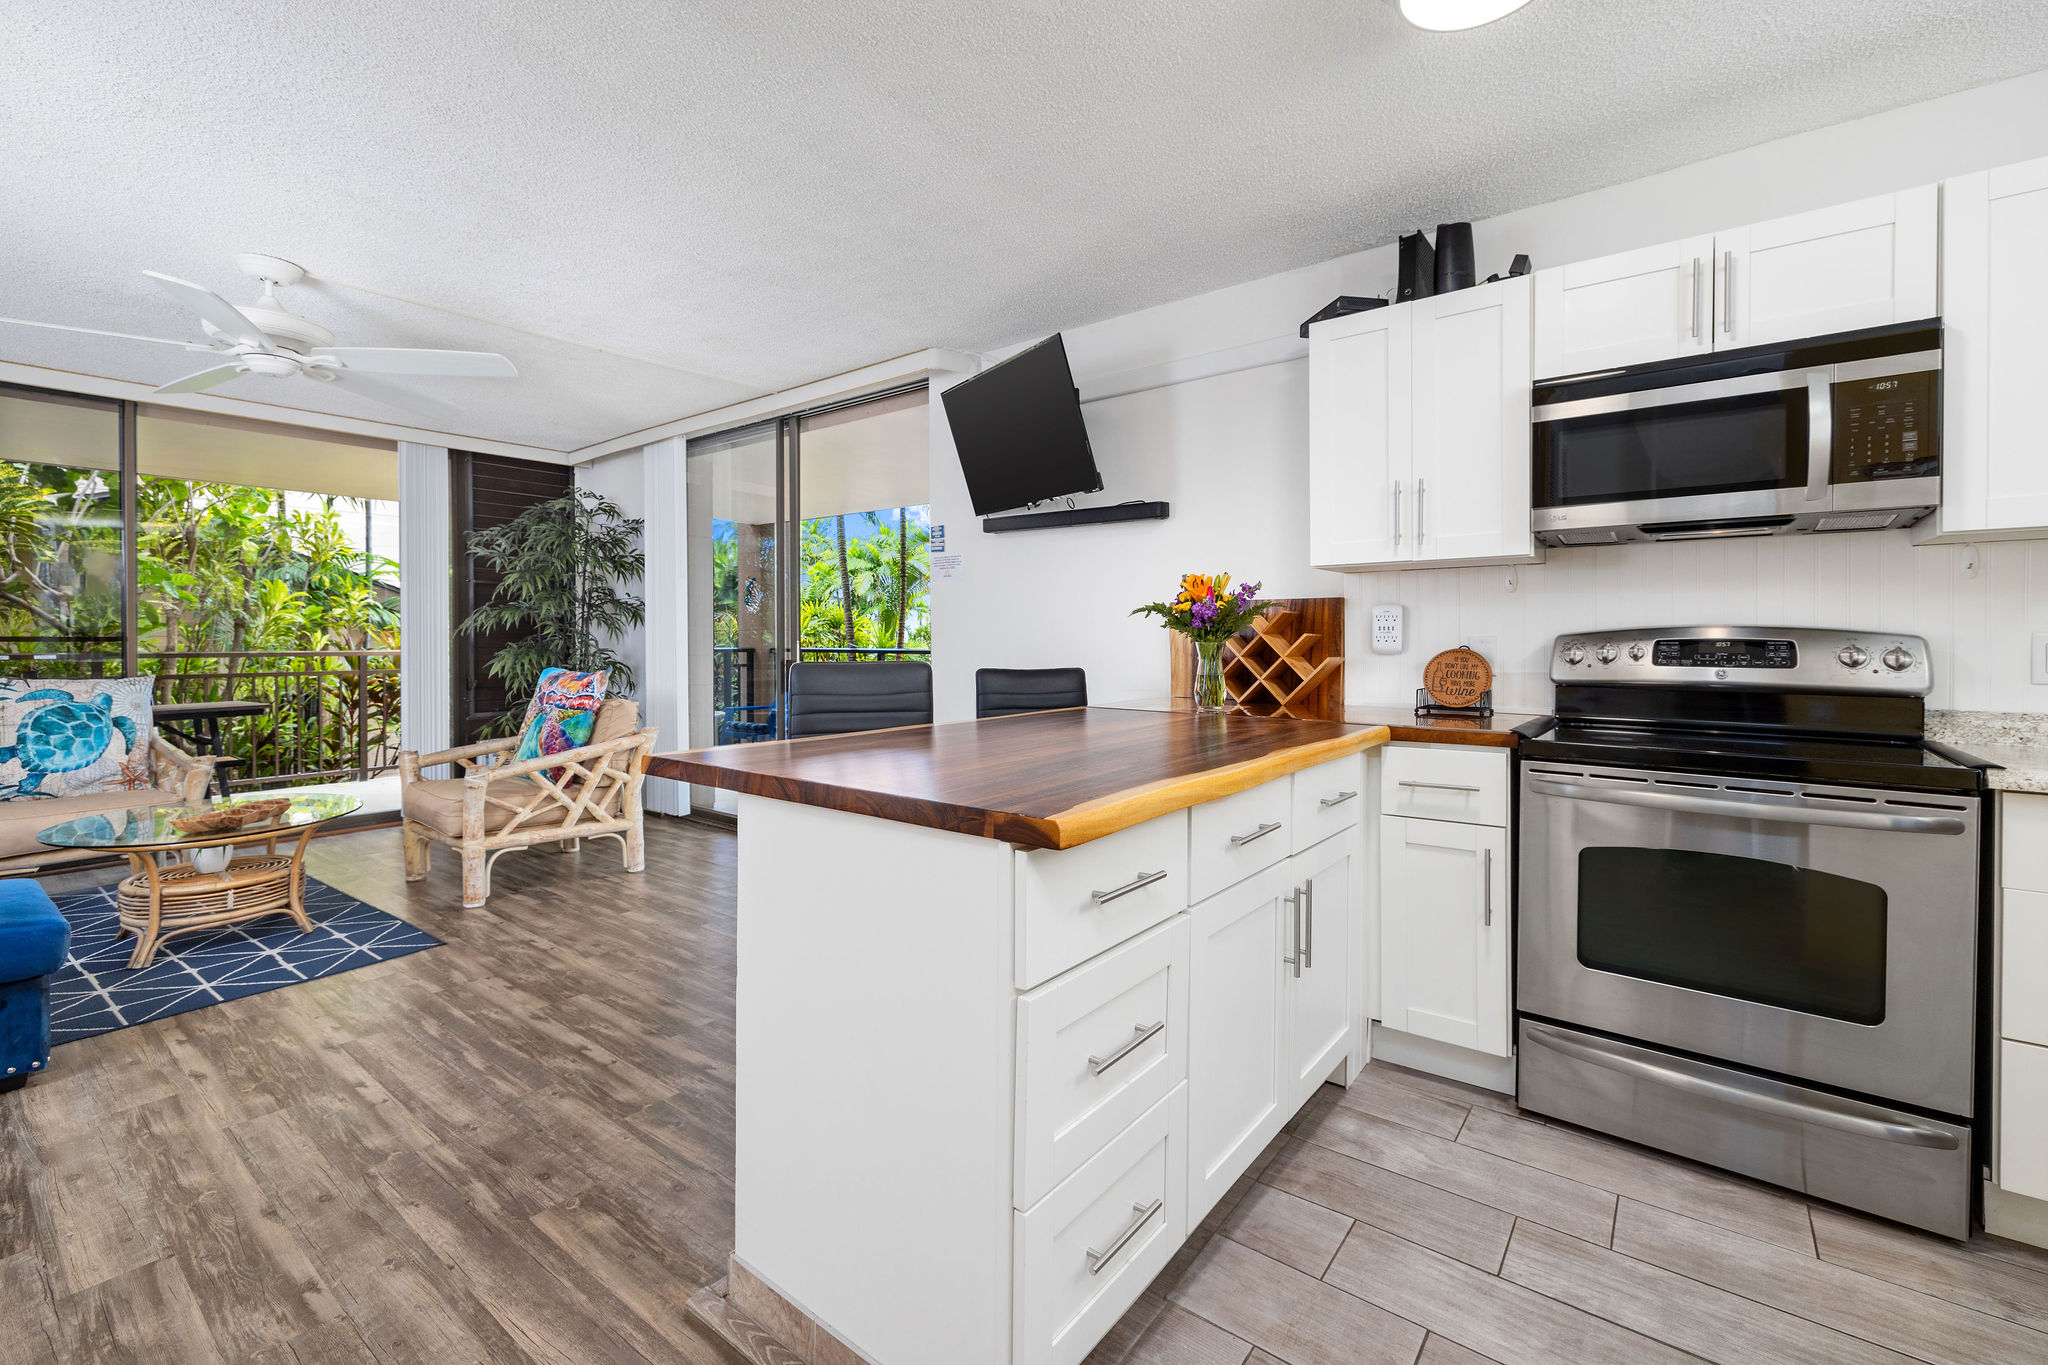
[1208,611]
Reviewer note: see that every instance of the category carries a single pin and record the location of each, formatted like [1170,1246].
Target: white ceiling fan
[266,338]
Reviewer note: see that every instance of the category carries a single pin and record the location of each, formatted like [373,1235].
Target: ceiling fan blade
[391,395]
[213,308]
[205,379]
[102,332]
[399,360]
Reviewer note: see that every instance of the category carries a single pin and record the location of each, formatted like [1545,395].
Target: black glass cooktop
[1910,764]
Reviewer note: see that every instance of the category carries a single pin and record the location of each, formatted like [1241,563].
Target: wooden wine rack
[1288,662]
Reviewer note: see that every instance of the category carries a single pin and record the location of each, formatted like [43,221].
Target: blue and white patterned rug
[94,992]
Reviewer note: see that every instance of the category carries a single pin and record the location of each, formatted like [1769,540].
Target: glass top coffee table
[184,882]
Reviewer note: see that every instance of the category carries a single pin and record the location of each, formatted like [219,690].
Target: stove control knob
[1853,656]
[1897,659]
[1607,653]
[1574,653]
[1636,651]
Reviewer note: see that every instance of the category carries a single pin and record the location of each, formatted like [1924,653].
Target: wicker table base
[158,902]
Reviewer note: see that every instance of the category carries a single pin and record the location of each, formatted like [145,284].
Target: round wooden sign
[1457,677]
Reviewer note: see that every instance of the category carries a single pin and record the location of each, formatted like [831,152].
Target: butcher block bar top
[1049,779]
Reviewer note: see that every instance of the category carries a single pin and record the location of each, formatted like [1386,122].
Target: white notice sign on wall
[946,566]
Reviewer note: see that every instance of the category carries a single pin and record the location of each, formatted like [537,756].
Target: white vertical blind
[426,534]
[664,688]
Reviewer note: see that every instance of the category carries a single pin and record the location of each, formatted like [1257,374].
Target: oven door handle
[1765,1097]
[1750,808]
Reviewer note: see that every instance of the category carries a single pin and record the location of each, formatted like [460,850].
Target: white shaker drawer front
[1467,784]
[2023,841]
[1073,903]
[1088,1249]
[1096,1048]
[2023,967]
[1327,799]
[2023,1119]
[1231,838]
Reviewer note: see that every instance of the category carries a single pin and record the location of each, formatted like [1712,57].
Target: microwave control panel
[1885,428]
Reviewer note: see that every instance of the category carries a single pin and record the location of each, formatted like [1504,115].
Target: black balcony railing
[329,715]
[863,655]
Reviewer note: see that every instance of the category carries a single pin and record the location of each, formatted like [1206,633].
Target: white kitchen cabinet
[1419,432]
[1848,266]
[1444,940]
[1239,1092]
[1317,986]
[1654,303]
[1359,436]
[1994,475]
[2023,1119]
[1836,269]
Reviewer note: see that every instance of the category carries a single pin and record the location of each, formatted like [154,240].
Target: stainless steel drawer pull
[1728,292]
[1308,937]
[1764,807]
[1137,883]
[1727,1087]
[1438,786]
[1141,1214]
[1293,899]
[1486,882]
[1339,799]
[1239,840]
[1140,1035]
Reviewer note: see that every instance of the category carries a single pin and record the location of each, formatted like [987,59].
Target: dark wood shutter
[490,490]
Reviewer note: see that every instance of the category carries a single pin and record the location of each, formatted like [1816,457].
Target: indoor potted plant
[1208,611]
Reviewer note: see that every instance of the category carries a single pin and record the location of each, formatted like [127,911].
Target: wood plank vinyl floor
[518,1148]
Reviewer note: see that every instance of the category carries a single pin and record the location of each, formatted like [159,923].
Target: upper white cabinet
[1656,303]
[1419,432]
[1994,453]
[1832,270]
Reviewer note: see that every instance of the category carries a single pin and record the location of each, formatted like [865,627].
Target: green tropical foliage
[869,591]
[564,564]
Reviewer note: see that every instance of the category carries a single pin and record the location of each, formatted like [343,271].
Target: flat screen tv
[1018,429]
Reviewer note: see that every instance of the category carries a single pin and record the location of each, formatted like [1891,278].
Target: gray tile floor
[1411,1219]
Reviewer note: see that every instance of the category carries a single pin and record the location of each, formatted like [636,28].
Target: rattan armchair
[498,805]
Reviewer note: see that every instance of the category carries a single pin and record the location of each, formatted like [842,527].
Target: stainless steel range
[1749,911]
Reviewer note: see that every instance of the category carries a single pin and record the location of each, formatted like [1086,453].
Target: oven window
[1742,927]
[1729,445]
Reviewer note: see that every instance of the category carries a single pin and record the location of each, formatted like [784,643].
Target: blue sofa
[33,938]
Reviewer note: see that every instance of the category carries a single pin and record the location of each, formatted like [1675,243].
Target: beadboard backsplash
[1978,627]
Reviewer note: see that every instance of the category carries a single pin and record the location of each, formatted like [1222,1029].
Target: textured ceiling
[737,198]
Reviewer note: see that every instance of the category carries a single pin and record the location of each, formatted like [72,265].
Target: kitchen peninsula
[1018,1000]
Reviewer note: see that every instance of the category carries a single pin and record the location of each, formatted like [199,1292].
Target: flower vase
[1209,693]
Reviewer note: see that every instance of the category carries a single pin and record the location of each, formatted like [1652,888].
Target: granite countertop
[2016,740]
[1048,779]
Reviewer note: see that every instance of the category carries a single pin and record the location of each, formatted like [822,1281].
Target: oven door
[1749,449]
[1826,933]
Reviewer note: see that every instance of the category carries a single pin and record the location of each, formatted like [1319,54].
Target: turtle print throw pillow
[73,736]
[562,714]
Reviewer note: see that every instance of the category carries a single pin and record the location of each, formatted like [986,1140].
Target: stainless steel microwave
[1834,433]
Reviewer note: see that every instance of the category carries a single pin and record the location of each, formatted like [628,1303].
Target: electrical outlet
[1386,629]
[2040,657]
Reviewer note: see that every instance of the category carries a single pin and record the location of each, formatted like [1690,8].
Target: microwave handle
[1820,432]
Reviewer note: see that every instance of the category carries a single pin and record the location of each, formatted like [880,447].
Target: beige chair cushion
[616,718]
[21,817]
[437,804]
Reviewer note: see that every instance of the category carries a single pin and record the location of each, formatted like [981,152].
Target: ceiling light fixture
[1448,16]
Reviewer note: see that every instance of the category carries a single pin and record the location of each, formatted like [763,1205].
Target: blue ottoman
[33,937]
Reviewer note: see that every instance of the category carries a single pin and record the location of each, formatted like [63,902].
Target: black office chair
[838,699]
[1012,691]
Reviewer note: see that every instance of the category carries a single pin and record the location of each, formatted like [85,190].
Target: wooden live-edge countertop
[1403,725]
[1050,779]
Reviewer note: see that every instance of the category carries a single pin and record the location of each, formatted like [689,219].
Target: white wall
[1230,452]
[618,477]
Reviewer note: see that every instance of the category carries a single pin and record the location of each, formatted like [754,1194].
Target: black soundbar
[1077,516]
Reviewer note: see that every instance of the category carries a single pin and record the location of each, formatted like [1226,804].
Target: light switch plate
[2040,657]
[1386,629]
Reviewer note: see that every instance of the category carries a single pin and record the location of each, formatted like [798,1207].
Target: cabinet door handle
[1137,883]
[1438,786]
[1308,937]
[1728,292]
[1421,487]
[1397,514]
[1141,1214]
[1698,270]
[1486,881]
[1293,899]
[1240,840]
[1339,799]
[1141,1034]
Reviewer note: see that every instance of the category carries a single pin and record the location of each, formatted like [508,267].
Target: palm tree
[845,581]
[902,578]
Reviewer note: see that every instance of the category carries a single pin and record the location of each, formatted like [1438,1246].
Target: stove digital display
[1725,654]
